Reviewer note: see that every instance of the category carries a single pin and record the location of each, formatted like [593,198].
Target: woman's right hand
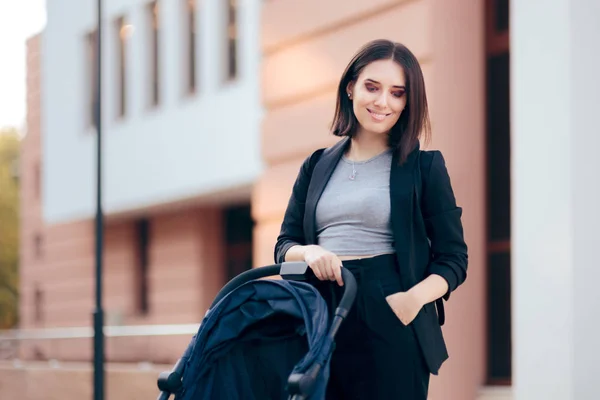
[325,264]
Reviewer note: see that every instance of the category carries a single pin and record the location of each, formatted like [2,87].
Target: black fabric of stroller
[254,338]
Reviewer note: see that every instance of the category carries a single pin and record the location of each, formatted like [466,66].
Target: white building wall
[555,198]
[186,147]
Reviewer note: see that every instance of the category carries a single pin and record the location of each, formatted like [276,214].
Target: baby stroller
[262,339]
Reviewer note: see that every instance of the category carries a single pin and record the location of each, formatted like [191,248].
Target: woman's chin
[376,129]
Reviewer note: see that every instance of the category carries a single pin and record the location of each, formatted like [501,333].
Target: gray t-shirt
[353,213]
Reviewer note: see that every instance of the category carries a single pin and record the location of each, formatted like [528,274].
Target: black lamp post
[98,312]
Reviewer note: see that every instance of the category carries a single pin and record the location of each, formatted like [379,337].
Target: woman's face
[378,96]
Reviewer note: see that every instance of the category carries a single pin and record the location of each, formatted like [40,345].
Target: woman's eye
[399,94]
[371,88]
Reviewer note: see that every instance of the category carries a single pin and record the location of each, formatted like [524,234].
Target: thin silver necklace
[353,175]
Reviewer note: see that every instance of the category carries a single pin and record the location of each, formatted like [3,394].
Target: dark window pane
[498,148]
[189,46]
[232,37]
[238,236]
[499,314]
[38,246]
[153,16]
[238,224]
[143,241]
[91,41]
[38,305]
[122,32]
[501,11]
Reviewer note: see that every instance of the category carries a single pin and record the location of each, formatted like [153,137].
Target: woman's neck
[364,146]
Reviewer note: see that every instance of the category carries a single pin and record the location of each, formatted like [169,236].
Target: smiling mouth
[378,116]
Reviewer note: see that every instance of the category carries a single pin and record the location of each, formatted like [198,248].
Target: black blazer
[426,224]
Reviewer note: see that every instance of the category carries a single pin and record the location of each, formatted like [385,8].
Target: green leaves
[9,228]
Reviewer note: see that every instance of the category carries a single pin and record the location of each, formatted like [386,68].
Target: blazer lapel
[320,176]
[402,195]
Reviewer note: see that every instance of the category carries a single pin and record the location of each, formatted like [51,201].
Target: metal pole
[98,312]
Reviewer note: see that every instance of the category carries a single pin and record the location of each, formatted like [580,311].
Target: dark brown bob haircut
[414,120]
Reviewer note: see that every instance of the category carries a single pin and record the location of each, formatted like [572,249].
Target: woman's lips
[377,116]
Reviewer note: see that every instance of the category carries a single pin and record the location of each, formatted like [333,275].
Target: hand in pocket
[405,305]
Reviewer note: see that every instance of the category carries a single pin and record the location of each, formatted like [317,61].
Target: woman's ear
[350,89]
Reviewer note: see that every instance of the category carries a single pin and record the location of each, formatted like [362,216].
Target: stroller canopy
[254,338]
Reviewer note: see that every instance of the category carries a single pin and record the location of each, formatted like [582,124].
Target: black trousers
[376,355]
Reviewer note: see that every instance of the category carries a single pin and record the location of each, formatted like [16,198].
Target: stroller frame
[300,386]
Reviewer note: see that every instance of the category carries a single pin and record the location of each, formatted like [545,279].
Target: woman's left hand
[406,306]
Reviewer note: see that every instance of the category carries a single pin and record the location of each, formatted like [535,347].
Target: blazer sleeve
[444,227]
[292,231]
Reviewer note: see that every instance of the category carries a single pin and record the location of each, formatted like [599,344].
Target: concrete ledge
[495,393]
[59,381]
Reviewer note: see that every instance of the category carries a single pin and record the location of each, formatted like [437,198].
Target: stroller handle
[171,382]
[299,271]
[294,271]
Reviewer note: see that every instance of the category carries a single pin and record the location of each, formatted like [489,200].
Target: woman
[376,204]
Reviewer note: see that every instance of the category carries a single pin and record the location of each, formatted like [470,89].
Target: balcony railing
[11,339]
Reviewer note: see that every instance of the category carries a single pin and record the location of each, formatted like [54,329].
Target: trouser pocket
[377,313]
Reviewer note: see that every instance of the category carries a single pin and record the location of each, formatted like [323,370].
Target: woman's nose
[381,100]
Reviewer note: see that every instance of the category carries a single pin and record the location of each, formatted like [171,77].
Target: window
[38,303]
[153,18]
[498,216]
[189,46]
[37,181]
[501,12]
[232,37]
[497,26]
[122,33]
[38,244]
[143,262]
[499,341]
[238,239]
[91,77]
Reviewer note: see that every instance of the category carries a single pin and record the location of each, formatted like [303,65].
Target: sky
[19,19]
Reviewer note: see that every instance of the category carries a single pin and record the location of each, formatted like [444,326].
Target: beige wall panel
[273,190]
[313,67]
[269,201]
[265,237]
[296,130]
[292,20]
[458,111]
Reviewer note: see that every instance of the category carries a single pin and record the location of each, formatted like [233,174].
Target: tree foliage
[9,227]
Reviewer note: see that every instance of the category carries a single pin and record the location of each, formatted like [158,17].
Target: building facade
[181,176]
[181,131]
[210,108]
